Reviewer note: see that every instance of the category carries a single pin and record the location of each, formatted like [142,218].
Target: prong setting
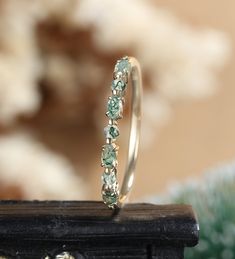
[110,189]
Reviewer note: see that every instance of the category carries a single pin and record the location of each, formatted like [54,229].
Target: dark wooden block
[44,229]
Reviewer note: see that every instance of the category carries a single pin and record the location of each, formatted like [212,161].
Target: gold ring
[126,70]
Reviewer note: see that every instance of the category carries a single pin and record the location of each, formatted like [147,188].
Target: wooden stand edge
[87,229]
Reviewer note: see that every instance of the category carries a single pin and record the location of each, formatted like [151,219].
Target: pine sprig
[214,203]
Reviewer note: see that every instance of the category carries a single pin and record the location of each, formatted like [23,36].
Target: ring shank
[136,110]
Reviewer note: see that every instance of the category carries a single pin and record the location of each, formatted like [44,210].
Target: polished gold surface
[136,82]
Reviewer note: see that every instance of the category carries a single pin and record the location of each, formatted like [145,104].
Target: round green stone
[114,107]
[109,156]
[109,178]
[111,131]
[110,197]
[118,85]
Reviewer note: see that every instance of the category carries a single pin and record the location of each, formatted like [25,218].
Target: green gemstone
[109,156]
[123,65]
[111,131]
[118,85]
[109,178]
[114,107]
[110,197]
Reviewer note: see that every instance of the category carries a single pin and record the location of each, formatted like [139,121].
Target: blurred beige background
[198,135]
[201,134]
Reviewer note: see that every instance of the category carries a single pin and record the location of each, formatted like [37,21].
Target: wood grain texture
[87,229]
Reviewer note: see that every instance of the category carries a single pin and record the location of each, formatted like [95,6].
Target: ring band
[126,69]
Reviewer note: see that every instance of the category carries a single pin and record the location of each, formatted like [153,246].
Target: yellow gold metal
[135,78]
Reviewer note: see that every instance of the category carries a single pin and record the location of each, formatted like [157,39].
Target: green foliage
[213,200]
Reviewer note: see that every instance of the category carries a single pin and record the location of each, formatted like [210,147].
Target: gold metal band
[136,110]
[126,70]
